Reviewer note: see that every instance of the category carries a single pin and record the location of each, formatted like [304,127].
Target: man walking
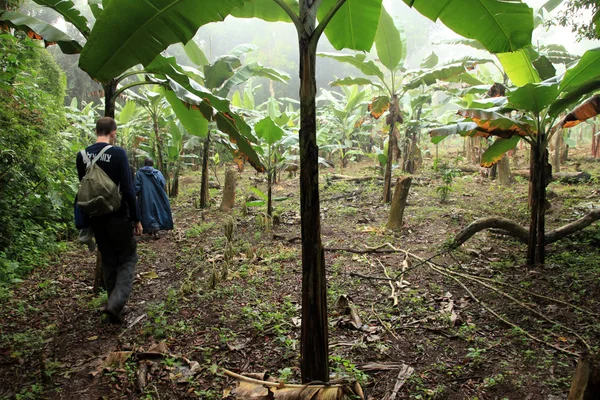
[114,230]
[153,202]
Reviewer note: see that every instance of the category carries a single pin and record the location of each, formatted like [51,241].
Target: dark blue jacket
[153,203]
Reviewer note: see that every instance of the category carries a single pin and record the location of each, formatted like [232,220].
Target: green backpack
[97,195]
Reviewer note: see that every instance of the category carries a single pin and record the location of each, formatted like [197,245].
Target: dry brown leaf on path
[251,388]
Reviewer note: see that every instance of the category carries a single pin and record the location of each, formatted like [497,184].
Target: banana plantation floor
[467,325]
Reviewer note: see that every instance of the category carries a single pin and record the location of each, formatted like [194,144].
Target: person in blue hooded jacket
[153,203]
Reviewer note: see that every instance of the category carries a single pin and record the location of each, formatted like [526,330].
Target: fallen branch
[366,251]
[405,373]
[513,229]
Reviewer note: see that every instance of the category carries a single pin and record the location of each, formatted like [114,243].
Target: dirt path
[54,342]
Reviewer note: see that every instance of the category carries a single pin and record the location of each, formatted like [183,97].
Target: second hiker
[153,203]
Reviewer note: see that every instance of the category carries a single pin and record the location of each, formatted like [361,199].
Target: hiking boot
[155,235]
[113,316]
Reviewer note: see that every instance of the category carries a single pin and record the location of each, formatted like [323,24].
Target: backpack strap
[86,159]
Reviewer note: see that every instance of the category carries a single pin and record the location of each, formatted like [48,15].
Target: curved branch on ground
[515,230]
[509,227]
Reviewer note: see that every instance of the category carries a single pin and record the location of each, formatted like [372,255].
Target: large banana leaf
[533,97]
[494,153]
[586,70]
[41,30]
[219,71]
[195,53]
[582,113]
[578,81]
[357,60]
[462,128]
[131,32]
[349,81]
[500,26]
[495,124]
[67,9]
[192,119]
[269,131]
[429,77]
[266,10]
[388,42]
[519,68]
[253,69]
[212,107]
[354,25]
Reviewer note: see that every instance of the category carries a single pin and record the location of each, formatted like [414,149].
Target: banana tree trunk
[270,179]
[539,175]
[204,184]
[109,98]
[387,180]
[314,337]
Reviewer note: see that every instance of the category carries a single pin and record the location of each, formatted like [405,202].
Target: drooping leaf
[242,49]
[388,42]
[572,97]
[354,25]
[494,153]
[533,97]
[488,102]
[67,9]
[40,30]
[358,60]
[495,124]
[378,106]
[578,81]
[265,10]
[195,53]
[582,113]
[465,42]
[500,26]
[253,69]
[429,77]
[544,67]
[192,119]
[349,81]
[269,131]
[431,61]
[136,31]
[442,132]
[585,71]
[550,5]
[519,68]
[96,8]
[219,71]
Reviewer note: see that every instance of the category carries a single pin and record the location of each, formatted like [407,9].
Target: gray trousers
[118,279]
[114,236]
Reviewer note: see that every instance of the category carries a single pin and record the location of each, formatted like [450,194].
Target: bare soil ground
[54,342]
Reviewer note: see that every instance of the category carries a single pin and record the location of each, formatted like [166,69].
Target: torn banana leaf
[251,388]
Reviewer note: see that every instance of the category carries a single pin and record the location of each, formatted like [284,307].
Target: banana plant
[341,120]
[538,106]
[390,47]
[130,32]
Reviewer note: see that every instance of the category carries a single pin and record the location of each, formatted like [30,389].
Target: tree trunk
[228,201]
[396,216]
[537,195]
[504,176]
[109,100]
[314,347]
[391,119]
[558,149]
[595,142]
[586,382]
[204,185]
